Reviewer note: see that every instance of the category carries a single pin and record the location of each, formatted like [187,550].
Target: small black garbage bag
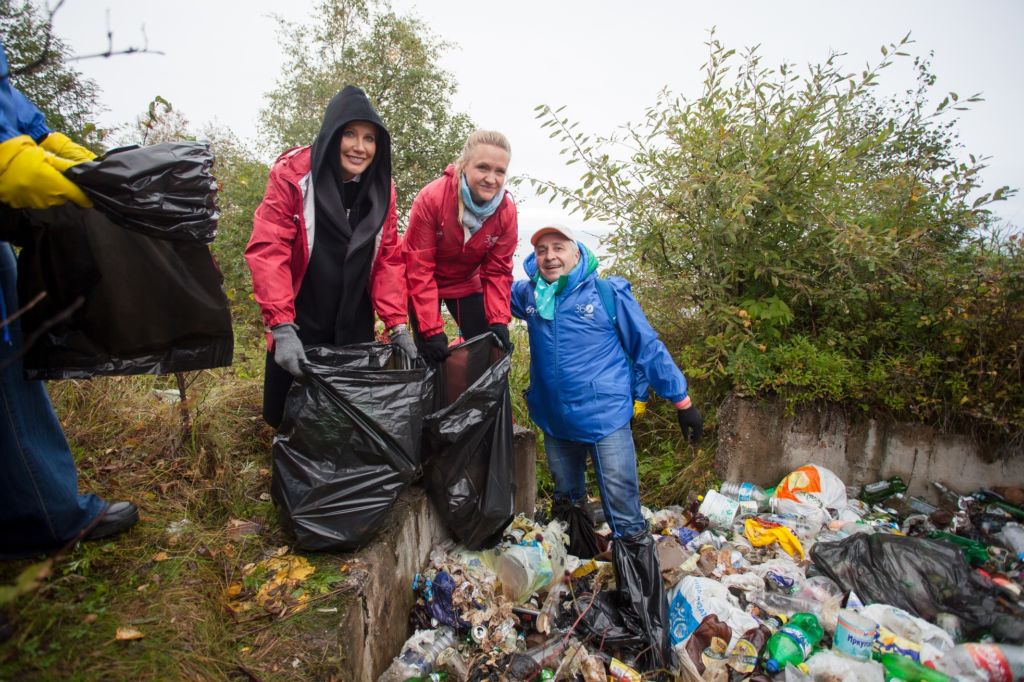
[469,464]
[349,443]
[641,596]
[163,190]
[923,577]
[114,301]
[583,540]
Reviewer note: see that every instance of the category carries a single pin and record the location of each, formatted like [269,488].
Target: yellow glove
[27,180]
[639,407]
[70,152]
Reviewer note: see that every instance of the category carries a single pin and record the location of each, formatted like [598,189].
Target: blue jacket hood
[586,267]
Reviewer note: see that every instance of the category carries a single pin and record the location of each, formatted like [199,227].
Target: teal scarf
[544,293]
[475,215]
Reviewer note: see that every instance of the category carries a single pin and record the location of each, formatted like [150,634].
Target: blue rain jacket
[580,376]
[18,116]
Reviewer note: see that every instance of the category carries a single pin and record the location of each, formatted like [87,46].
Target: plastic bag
[163,190]
[642,595]
[810,491]
[923,577]
[348,444]
[583,541]
[828,665]
[468,458]
[693,599]
[117,302]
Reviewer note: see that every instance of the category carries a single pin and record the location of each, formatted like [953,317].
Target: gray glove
[288,351]
[400,337]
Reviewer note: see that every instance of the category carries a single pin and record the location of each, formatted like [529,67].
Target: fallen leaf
[125,634]
[238,528]
[89,618]
[142,587]
[160,556]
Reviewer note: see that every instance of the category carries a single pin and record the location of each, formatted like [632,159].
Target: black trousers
[468,313]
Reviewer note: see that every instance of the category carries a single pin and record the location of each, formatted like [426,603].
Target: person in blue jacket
[584,368]
[40,507]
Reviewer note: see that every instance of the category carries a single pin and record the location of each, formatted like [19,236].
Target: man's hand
[288,350]
[691,423]
[28,180]
[435,348]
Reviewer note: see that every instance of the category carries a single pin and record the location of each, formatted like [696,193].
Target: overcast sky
[603,59]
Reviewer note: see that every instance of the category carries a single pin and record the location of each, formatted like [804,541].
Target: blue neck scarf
[475,215]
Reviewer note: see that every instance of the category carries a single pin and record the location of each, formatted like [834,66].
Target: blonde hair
[477,138]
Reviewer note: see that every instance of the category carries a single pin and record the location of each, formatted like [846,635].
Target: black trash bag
[469,464]
[116,302]
[583,540]
[163,190]
[601,622]
[923,577]
[641,596]
[348,444]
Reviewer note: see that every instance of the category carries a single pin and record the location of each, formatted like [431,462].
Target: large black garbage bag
[163,190]
[469,464]
[921,576]
[116,302]
[641,596]
[348,444]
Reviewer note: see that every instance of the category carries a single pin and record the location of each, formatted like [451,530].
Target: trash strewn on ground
[810,580]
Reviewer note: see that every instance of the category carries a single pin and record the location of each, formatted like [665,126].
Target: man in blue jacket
[589,344]
[40,507]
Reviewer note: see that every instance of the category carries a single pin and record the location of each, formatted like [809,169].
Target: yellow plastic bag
[761,533]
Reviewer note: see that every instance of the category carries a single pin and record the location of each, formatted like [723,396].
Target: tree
[393,58]
[68,99]
[796,233]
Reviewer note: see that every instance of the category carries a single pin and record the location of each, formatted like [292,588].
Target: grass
[167,576]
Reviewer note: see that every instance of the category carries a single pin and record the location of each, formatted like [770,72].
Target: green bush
[800,235]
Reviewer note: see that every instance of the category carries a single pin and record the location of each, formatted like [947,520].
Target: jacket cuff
[684,403]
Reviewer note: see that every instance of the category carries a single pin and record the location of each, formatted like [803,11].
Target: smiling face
[485,172]
[358,145]
[556,256]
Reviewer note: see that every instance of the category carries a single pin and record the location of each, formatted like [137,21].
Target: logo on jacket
[530,310]
[585,311]
[490,240]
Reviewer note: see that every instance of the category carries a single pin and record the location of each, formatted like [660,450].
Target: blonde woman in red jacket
[324,251]
[458,248]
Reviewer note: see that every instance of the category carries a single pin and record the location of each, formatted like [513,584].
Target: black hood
[351,104]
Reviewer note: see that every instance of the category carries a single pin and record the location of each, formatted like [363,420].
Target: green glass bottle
[908,670]
[432,677]
[879,491]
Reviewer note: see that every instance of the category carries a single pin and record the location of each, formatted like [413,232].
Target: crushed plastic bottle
[418,655]
[794,643]
[984,662]
[746,492]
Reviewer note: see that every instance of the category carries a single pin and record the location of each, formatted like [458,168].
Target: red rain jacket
[441,263]
[282,230]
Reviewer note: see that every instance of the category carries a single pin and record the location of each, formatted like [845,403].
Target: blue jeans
[40,508]
[615,465]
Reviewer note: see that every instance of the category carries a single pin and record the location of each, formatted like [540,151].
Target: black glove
[288,350]
[435,348]
[691,423]
[501,331]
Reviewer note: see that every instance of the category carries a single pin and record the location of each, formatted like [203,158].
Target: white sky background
[602,59]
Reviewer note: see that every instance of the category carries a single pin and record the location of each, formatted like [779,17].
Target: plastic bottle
[552,604]
[990,662]
[746,492]
[418,655]
[879,491]
[746,653]
[1012,536]
[908,670]
[787,604]
[794,643]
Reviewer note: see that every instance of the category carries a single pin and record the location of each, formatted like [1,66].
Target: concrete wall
[374,624]
[758,442]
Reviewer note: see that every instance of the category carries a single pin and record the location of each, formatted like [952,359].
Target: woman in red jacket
[459,245]
[324,251]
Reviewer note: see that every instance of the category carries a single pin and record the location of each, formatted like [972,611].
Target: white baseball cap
[553,229]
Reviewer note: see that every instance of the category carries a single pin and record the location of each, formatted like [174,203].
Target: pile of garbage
[810,580]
